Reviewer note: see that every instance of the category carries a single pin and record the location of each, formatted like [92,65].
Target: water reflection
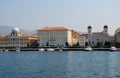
[79,65]
[114,65]
[60,65]
[93,65]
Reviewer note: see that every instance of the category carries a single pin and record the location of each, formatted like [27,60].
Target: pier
[57,49]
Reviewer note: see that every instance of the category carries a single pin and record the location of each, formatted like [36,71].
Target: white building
[117,35]
[97,37]
[54,36]
[82,39]
[17,39]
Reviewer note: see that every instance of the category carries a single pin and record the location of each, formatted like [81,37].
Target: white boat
[41,49]
[88,49]
[60,50]
[113,48]
[17,50]
[50,49]
[6,50]
[1,50]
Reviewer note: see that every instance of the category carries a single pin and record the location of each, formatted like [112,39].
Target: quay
[93,49]
[57,49]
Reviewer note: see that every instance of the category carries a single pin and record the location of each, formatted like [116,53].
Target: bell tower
[105,29]
[89,30]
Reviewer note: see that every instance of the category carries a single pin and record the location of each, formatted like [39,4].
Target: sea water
[69,64]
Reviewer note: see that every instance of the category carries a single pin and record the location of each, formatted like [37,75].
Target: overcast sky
[73,14]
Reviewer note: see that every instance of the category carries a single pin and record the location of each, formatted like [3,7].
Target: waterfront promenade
[58,49]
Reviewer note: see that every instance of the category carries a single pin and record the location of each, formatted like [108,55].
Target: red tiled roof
[97,32]
[2,36]
[82,34]
[53,28]
[25,35]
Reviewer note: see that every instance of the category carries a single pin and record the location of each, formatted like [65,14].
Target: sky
[73,14]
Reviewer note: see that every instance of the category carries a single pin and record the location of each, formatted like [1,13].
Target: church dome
[105,26]
[15,30]
[89,27]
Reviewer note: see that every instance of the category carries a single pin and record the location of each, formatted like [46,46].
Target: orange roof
[2,36]
[25,35]
[28,35]
[97,32]
[53,28]
[82,34]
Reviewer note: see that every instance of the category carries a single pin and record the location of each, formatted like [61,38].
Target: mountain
[5,30]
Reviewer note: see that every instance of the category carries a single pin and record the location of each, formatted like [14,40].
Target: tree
[47,44]
[28,45]
[34,44]
[117,44]
[77,44]
[107,44]
[99,44]
[37,45]
[66,44]
[86,43]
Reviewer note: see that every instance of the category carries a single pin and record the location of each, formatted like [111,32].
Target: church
[97,38]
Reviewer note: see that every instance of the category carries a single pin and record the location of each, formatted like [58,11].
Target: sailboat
[18,49]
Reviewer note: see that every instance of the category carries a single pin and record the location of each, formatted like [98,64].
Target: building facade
[17,39]
[117,35]
[75,36]
[97,38]
[54,36]
[82,39]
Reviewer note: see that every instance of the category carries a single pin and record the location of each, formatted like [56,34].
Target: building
[82,39]
[112,40]
[17,39]
[97,38]
[55,36]
[117,35]
[75,36]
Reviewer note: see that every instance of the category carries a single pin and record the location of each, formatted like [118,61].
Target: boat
[41,49]
[113,48]
[6,50]
[18,50]
[88,49]
[60,50]
[50,49]
[1,50]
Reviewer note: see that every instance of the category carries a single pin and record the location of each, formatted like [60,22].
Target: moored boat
[50,49]
[41,49]
[113,48]
[18,50]
[88,49]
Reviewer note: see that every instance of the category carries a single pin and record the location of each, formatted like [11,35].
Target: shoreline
[58,49]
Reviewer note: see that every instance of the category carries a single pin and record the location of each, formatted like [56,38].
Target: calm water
[60,64]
